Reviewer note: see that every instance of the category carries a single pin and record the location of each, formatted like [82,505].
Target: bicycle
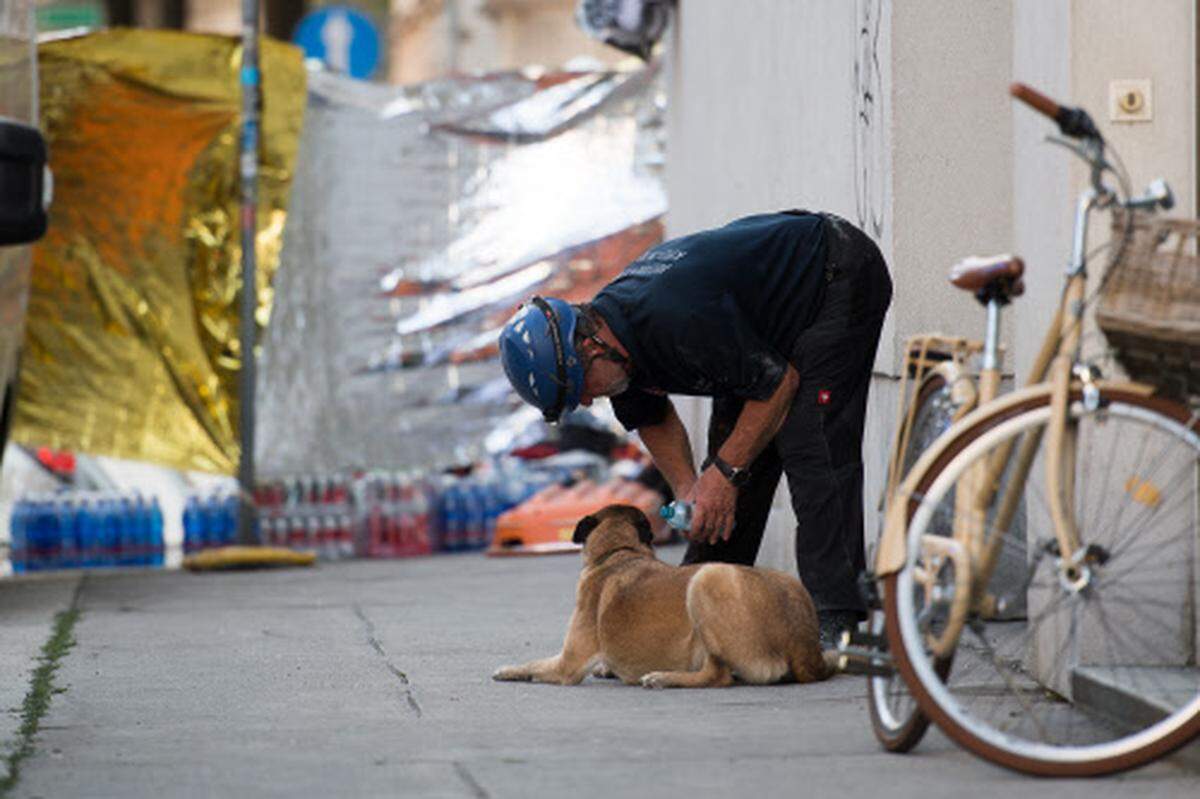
[1046,690]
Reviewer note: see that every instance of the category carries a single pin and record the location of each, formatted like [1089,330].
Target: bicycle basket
[1150,303]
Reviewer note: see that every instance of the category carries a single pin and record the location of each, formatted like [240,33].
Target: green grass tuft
[41,690]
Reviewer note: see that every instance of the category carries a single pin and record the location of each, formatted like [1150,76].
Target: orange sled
[544,523]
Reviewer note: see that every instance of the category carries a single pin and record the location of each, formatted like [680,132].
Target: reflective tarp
[131,347]
[421,216]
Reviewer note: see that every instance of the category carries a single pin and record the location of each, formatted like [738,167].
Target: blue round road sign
[344,38]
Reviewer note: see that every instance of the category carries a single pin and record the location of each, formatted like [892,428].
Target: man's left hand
[713,501]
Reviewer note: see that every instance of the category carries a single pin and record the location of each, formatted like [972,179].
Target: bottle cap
[666,511]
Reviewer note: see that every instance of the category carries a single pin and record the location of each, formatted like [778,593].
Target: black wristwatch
[736,477]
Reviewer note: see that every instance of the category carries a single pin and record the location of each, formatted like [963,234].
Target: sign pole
[248,171]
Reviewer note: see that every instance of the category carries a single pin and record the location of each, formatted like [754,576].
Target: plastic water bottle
[474,516]
[88,535]
[127,535]
[214,522]
[229,513]
[18,527]
[454,521]
[494,505]
[52,542]
[110,531]
[156,534]
[141,524]
[193,526]
[47,550]
[678,514]
[68,549]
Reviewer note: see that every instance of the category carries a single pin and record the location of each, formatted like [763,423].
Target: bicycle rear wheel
[1101,675]
[896,719]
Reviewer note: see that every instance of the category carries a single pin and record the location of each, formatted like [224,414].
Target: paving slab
[373,679]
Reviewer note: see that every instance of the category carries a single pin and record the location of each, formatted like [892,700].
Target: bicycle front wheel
[1100,675]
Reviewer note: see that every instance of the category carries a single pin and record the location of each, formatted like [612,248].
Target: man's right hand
[714,501]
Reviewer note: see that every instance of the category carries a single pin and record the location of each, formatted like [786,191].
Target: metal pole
[248,164]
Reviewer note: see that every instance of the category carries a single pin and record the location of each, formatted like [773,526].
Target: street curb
[1121,706]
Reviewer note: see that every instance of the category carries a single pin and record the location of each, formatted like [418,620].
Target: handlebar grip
[1036,100]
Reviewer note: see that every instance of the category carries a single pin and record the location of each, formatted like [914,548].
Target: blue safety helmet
[537,349]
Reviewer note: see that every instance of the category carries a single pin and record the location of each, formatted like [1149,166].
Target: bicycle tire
[896,718]
[994,735]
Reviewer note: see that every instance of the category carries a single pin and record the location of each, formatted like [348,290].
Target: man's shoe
[833,623]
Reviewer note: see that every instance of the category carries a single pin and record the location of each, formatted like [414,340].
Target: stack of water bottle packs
[209,522]
[396,515]
[379,514]
[86,530]
[311,514]
[389,514]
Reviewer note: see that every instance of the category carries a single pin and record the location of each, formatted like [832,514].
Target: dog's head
[614,527]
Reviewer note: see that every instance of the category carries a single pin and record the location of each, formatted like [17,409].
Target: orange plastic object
[544,523]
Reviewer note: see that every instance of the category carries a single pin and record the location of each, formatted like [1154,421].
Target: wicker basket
[1150,303]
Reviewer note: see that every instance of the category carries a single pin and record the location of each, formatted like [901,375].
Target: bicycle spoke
[1109,462]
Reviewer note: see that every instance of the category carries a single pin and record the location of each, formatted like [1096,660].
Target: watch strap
[736,477]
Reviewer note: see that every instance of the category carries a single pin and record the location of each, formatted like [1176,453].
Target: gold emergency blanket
[131,343]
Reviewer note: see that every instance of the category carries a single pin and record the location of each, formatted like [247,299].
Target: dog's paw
[655,679]
[511,674]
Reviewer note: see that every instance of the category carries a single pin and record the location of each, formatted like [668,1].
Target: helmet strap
[560,360]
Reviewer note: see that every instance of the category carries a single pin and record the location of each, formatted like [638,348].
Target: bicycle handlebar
[1073,122]
[1035,100]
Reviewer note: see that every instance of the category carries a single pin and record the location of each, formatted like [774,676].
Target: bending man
[777,318]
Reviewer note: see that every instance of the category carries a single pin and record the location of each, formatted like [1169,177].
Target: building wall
[1072,50]
[850,107]
[762,115]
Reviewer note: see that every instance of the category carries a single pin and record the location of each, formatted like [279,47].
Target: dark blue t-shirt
[715,313]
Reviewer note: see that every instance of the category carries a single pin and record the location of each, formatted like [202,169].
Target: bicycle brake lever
[1091,152]
[1080,149]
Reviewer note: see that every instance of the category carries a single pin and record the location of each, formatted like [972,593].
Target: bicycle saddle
[991,277]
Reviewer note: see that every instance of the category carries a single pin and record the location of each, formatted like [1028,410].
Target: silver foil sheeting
[420,217]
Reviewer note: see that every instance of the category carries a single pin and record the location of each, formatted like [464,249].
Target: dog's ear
[645,534]
[584,529]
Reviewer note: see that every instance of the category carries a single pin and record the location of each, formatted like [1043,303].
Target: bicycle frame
[973,549]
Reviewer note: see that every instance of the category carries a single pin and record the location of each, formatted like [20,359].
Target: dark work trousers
[819,446]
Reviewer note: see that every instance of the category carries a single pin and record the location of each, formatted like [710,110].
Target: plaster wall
[891,115]
[763,112]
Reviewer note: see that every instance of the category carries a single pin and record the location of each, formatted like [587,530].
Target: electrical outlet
[1131,100]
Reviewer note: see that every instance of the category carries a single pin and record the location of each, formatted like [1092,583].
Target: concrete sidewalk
[372,679]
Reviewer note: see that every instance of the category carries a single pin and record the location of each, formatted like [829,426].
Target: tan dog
[677,626]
